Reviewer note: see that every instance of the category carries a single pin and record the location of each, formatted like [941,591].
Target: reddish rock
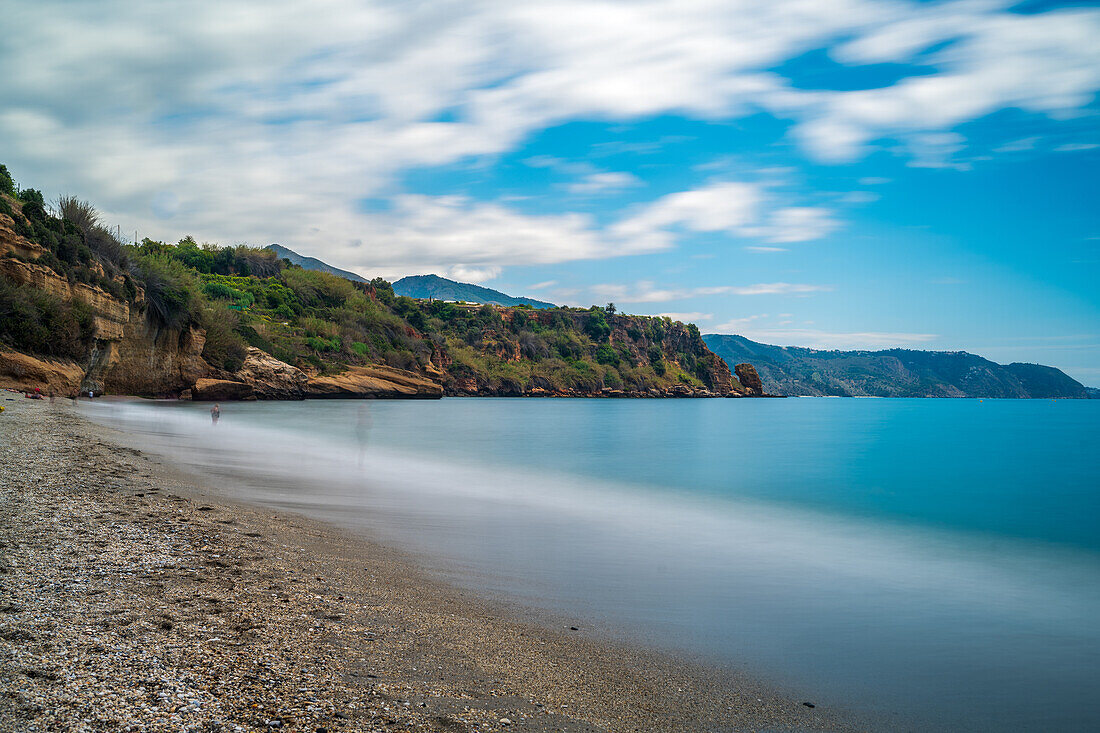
[750,380]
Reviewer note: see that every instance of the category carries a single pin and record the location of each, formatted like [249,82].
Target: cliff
[81,311]
[571,352]
[892,372]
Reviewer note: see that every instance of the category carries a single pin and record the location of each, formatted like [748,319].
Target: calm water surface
[934,560]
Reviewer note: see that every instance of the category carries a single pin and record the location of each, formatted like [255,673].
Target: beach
[134,598]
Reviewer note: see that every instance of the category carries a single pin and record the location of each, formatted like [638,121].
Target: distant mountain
[312,263]
[440,288]
[1093,393]
[790,370]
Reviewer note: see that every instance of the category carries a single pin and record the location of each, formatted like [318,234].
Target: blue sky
[836,174]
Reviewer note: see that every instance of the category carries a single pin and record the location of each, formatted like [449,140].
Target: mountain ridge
[441,288]
[801,371]
[312,263]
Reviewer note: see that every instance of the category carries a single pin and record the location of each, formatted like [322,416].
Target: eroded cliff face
[129,355]
[147,360]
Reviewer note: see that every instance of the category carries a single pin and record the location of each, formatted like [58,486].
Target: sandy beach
[133,598]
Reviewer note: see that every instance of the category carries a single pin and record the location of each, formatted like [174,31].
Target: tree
[7,185]
[596,326]
[610,309]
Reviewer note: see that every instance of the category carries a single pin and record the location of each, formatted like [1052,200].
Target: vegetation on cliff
[324,324]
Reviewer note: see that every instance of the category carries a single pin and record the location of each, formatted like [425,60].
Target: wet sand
[132,597]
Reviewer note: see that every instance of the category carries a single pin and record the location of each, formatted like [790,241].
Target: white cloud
[758,248]
[873,181]
[647,292]
[605,182]
[1044,63]
[799,224]
[1017,146]
[463,273]
[474,238]
[860,197]
[736,208]
[781,289]
[737,324]
[935,150]
[543,285]
[1075,147]
[815,339]
[266,121]
[688,317]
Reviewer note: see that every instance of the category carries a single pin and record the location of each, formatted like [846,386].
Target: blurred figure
[215,413]
[362,430]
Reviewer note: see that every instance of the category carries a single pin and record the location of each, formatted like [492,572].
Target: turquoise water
[933,561]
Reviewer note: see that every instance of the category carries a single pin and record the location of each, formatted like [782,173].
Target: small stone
[505,721]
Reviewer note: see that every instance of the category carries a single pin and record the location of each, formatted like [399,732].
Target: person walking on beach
[215,413]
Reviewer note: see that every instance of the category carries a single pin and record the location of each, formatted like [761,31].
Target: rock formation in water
[749,379]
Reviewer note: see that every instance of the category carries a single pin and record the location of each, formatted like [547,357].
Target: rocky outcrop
[221,390]
[147,360]
[270,378]
[20,371]
[111,313]
[13,243]
[374,381]
[749,379]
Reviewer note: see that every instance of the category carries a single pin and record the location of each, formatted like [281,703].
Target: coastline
[136,596]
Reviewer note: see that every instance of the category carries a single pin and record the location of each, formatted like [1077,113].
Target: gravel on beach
[130,600]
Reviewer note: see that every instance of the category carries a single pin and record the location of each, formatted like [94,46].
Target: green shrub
[7,185]
[253,338]
[315,288]
[221,291]
[360,348]
[322,344]
[171,291]
[596,326]
[224,347]
[32,196]
[607,355]
[33,321]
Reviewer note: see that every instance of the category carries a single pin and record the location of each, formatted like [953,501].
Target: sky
[823,173]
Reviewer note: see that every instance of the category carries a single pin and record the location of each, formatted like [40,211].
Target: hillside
[440,288]
[81,311]
[312,263]
[891,373]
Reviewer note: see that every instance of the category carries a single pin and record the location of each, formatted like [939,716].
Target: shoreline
[155,602]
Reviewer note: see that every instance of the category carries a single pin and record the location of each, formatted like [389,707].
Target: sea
[934,563]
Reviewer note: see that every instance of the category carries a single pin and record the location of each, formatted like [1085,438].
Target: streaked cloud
[693,317]
[648,292]
[1076,147]
[815,339]
[266,121]
[605,182]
